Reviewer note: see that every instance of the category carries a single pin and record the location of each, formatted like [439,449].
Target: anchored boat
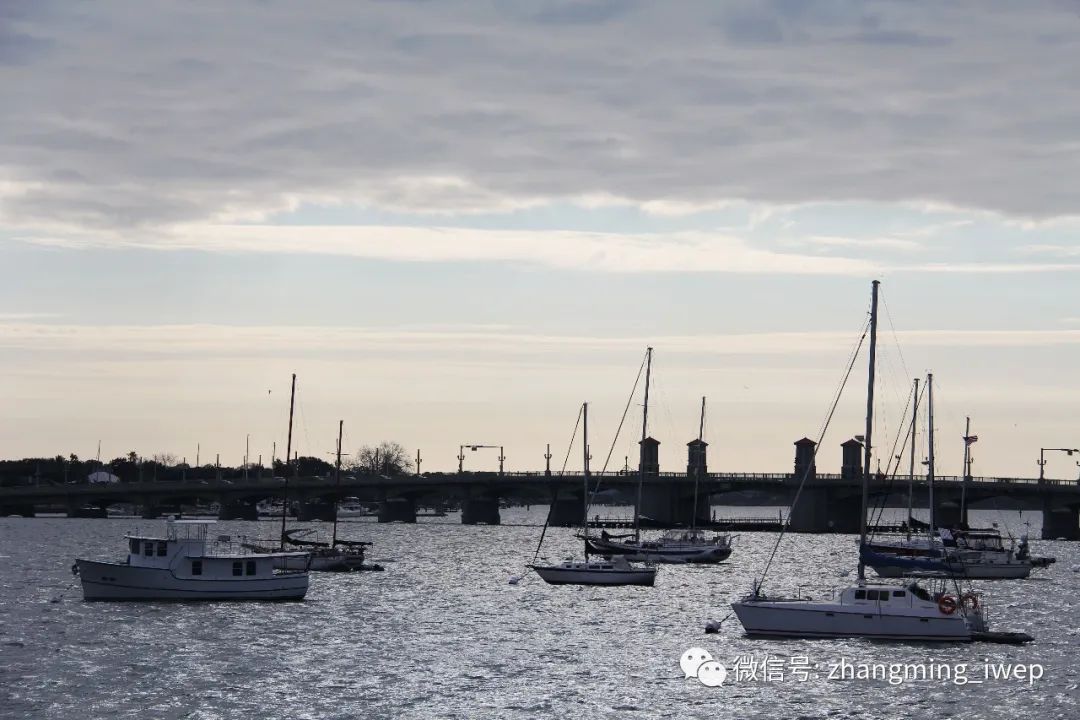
[185,565]
[870,610]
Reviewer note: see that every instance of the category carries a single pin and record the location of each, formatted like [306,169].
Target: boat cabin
[912,595]
[188,553]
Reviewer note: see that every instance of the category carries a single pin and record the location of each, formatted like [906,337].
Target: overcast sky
[457,221]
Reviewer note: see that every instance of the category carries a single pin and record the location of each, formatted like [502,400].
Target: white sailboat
[614,571]
[867,610]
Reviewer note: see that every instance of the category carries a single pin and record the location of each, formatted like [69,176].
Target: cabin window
[860,594]
[898,593]
[196,567]
[250,567]
[162,547]
[148,549]
[134,546]
[238,568]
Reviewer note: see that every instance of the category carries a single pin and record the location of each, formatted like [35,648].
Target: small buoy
[712,627]
[1076,568]
[515,579]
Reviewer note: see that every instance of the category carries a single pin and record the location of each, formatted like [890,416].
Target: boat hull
[321,563]
[116,581]
[703,554]
[804,619]
[559,575]
[888,565]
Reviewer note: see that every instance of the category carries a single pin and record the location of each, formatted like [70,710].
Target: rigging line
[625,412]
[813,461]
[892,328]
[555,498]
[573,437]
[854,353]
[890,472]
[599,477]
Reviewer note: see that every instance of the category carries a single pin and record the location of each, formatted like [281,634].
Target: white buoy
[515,579]
[1076,568]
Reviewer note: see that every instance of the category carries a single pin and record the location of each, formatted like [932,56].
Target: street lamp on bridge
[1042,459]
[474,448]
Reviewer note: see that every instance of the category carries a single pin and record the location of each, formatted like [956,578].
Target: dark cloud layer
[137,114]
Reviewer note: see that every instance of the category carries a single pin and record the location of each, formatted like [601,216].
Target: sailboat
[691,545]
[334,556]
[971,554]
[613,571]
[867,610]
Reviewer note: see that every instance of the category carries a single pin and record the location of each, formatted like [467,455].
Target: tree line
[388,458]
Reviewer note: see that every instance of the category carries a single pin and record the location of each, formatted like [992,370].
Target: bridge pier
[86,510]
[397,509]
[1060,521]
[825,510]
[947,514]
[153,511]
[480,511]
[565,511]
[237,510]
[672,505]
[308,510]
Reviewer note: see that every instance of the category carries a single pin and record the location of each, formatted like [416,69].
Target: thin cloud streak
[169,340]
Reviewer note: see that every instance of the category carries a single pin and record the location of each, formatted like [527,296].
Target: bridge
[827,503]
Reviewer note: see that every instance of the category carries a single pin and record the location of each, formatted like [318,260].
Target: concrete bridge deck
[829,502]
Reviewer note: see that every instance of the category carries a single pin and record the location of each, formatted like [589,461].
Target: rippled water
[442,634]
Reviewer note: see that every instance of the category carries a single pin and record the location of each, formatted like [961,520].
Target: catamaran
[869,610]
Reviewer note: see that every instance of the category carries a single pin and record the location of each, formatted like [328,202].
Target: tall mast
[930,447]
[644,434]
[911,466]
[337,482]
[585,465]
[867,442]
[288,458]
[967,466]
[697,469]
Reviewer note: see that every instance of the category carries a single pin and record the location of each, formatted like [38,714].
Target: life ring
[947,604]
[970,601]
[75,568]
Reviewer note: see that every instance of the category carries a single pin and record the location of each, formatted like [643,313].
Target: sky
[457,221]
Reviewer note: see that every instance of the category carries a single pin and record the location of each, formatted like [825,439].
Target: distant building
[102,478]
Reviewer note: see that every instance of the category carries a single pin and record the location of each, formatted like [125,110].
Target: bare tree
[387,458]
[165,459]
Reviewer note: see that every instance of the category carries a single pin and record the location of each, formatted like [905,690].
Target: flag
[971,438]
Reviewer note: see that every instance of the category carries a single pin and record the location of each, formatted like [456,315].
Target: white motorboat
[616,571]
[674,546]
[351,507]
[881,612]
[867,610]
[185,565]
